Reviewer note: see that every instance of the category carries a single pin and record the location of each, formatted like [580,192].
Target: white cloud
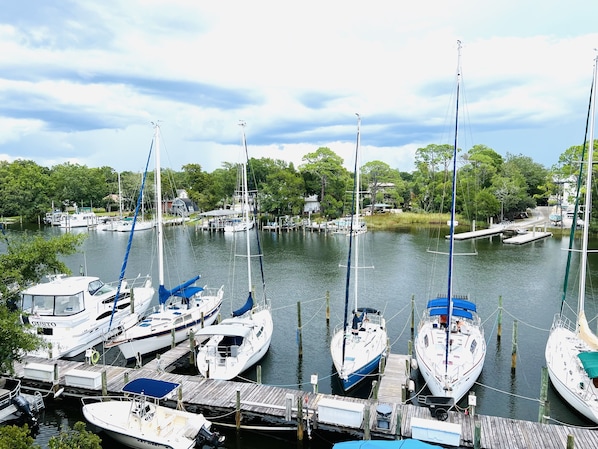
[83,80]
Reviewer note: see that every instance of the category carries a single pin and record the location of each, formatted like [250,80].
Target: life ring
[95,357]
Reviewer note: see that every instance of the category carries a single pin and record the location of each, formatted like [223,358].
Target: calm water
[305,267]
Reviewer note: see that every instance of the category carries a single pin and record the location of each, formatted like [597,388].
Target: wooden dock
[276,408]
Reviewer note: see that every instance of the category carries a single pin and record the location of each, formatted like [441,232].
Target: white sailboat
[357,349]
[572,348]
[234,345]
[181,310]
[449,345]
[138,420]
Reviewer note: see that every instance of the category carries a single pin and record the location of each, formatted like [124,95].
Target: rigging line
[130,240]
[525,322]
[577,196]
[302,303]
[313,316]
[353,199]
[508,393]
[254,213]
[563,423]
[452,225]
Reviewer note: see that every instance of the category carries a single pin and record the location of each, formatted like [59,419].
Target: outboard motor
[22,405]
[206,437]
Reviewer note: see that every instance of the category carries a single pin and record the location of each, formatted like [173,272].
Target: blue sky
[81,81]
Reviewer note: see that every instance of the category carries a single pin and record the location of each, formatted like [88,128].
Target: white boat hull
[363,351]
[217,362]
[161,427]
[465,364]
[155,331]
[566,371]
[77,320]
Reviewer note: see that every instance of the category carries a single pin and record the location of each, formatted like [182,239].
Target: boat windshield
[47,305]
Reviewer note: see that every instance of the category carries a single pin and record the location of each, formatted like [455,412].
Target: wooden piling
[499,329]
[543,395]
[238,410]
[300,418]
[299,331]
[570,441]
[327,307]
[514,349]
[412,313]
[192,346]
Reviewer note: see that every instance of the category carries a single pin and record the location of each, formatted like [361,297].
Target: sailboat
[180,310]
[237,343]
[246,221]
[572,348]
[450,346]
[357,349]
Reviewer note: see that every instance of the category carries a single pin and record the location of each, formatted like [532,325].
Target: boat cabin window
[94,286]
[474,344]
[45,305]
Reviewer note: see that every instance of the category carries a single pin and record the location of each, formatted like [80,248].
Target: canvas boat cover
[589,360]
[384,444]
[154,388]
[228,330]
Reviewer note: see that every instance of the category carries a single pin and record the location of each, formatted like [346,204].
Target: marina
[251,405]
[304,268]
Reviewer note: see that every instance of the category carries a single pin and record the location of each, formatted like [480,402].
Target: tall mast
[159,228]
[246,207]
[453,204]
[588,203]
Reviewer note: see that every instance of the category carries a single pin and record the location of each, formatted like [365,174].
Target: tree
[17,437]
[27,260]
[76,438]
[325,175]
[23,189]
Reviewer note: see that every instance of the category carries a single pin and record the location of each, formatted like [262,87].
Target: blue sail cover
[181,290]
[461,307]
[154,388]
[246,307]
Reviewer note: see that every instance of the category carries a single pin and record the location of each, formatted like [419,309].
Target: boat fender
[414,364]
[411,385]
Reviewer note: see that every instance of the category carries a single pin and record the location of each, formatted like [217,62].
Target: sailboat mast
[246,209]
[453,204]
[159,213]
[355,227]
[348,279]
[120,197]
[588,204]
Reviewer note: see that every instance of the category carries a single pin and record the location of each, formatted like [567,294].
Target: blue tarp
[154,388]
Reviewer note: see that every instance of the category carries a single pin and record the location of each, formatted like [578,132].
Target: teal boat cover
[589,360]
[385,444]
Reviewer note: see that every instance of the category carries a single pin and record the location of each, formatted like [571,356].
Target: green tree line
[489,185]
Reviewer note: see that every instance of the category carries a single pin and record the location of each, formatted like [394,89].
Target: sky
[82,81]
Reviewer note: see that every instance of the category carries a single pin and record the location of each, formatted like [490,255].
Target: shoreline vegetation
[378,222]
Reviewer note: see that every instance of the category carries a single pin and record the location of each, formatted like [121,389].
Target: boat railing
[561,321]
[137,282]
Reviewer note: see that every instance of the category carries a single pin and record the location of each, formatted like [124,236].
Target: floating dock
[527,237]
[247,405]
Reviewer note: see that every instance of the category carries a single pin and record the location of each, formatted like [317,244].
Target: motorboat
[139,420]
[74,313]
[17,407]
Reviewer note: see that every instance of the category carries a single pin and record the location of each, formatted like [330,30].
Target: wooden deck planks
[269,403]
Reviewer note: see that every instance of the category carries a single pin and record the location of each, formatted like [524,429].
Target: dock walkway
[275,407]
